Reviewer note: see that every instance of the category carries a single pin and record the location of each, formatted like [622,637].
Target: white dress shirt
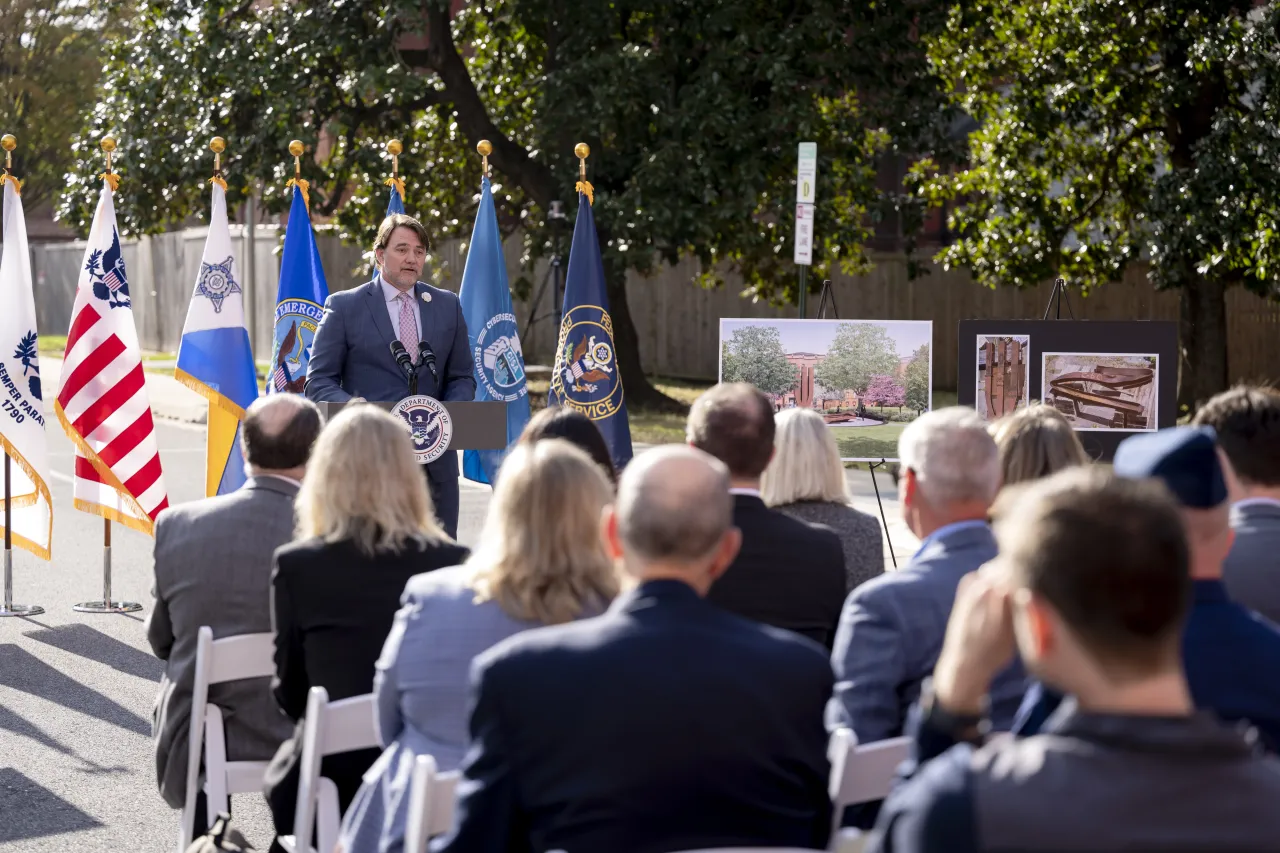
[390,293]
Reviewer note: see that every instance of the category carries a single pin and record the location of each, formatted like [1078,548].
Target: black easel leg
[880,503]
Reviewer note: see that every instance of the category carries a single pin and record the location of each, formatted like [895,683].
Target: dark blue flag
[495,343]
[299,301]
[585,376]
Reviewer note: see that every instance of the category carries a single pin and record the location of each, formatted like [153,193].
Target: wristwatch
[963,728]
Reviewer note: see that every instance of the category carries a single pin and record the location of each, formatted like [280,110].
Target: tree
[50,58]
[692,111]
[918,392]
[1113,133]
[860,352]
[754,354]
[885,391]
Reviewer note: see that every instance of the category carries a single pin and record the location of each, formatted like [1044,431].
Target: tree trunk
[1203,342]
[637,390]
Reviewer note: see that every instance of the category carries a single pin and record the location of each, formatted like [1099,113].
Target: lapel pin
[426,297]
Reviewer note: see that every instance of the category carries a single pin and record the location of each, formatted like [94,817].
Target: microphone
[405,361]
[427,356]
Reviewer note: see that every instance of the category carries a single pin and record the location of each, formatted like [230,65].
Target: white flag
[21,397]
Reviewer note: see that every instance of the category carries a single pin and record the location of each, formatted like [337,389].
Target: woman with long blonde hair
[1035,441]
[541,561]
[364,526]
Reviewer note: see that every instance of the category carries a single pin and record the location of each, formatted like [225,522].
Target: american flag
[280,379]
[103,404]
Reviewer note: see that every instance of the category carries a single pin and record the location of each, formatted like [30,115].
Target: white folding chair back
[219,661]
[432,797]
[861,774]
[329,728]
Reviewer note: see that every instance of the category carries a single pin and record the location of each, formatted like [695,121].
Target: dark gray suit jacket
[1252,570]
[213,567]
[351,354]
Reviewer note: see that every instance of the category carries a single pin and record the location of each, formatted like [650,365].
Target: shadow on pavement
[87,642]
[33,811]
[24,672]
[10,721]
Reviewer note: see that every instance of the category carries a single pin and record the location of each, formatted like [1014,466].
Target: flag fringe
[586,189]
[398,183]
[214,398]
[7,178]
[112,179]
[109,478]
[218,179]
[21,501]
[303,185]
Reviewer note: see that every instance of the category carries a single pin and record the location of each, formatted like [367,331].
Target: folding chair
[861,774]
[219,661]
[329,728]
[432,797]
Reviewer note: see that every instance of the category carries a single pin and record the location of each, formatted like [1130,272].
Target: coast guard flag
[495,344]
[299,300]
[585,375]
[21,407]
[103,404]
[214,357]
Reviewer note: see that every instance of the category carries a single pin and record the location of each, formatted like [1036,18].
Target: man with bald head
[213,567]
[665,724]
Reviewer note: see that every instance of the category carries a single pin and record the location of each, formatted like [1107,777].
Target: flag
[395,204]
[495,342]
[299,300]
[21,407]
[215,358]
[103,403]
[585,376]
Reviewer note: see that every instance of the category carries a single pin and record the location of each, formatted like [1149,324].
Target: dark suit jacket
[213,567]
[332,607]
[789,573]
[665,724]
[1252,569]
[351,354]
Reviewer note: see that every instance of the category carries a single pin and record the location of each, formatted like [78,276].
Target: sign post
[806,181]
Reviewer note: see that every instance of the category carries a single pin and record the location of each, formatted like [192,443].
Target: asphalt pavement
[76,690]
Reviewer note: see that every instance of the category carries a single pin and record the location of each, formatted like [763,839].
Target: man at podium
[354,353]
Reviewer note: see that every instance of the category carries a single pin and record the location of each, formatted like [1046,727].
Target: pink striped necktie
[408,324]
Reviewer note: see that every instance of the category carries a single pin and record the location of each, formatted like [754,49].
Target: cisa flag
[21,395]
[214,356]
[585,376]
[299,301]
[495,343]
[103,404]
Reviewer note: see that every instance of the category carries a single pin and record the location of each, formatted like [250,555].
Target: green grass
[875,442]
[52,344]
[646,427]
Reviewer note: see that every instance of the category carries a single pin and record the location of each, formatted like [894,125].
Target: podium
[476,426]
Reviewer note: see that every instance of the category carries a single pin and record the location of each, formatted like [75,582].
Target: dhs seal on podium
[429,425]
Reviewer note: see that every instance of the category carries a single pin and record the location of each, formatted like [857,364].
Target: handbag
[221,837]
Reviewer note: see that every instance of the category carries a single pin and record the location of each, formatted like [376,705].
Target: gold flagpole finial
[395,149]
[484,147]
[109,145]
[217,145]
[296,148]
[582,151]
[8,142]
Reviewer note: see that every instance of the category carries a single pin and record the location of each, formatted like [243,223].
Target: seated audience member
[892,627]
[789,574]
[577,429]
[806,480]
[213,567]
[365,526]
[541,562]
[665,724]
[1092,583]
[1035,442]
[1247,421]
[1230,654]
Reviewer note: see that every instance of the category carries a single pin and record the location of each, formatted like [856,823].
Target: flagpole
[106,605]
[8,142]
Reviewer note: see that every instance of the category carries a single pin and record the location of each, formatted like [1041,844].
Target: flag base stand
[105,604]
[8,608]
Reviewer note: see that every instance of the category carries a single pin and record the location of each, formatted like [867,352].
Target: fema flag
[585,376]
[299,301]
[495,344]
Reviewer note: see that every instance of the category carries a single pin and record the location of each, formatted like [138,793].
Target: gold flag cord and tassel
[582,151]
[296,148]
[9,142]
[217,145]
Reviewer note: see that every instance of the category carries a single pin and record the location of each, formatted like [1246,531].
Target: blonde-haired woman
[541,562]
[806,480]
[1034,442]
[365,526]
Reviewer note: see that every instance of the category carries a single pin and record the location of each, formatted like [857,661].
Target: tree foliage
[885,391]
[918,378]
[692,110]
[754,354]
[1113,132]
[50,57]
[859,352]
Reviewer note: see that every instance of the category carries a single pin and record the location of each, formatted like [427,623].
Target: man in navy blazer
[351,354]
[666,724]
